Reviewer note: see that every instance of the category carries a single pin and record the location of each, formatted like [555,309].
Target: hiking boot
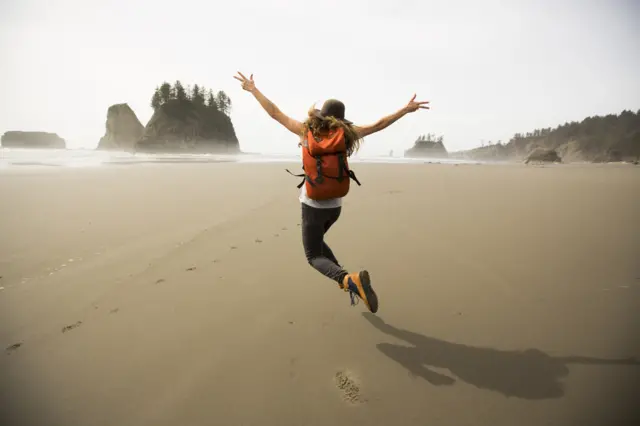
[359,285]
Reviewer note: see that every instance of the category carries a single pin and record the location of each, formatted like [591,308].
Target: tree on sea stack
[156,99]
[197,95]
[180,93]
[211,101]
[165,92]
[224,103]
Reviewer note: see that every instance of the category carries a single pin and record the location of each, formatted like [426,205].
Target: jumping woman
[327,139]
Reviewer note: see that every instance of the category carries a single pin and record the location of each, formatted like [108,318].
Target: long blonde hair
[323,125]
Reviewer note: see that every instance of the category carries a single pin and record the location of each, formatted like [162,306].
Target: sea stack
[123,129]
[18,139]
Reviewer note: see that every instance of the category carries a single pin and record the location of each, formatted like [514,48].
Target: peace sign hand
[414,106]
[247,83]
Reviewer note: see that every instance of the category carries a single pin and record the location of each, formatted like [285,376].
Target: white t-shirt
[323,204]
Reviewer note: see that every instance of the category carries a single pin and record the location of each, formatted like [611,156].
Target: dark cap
[332,108]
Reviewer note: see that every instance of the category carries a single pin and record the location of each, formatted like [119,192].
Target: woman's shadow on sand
[530,374]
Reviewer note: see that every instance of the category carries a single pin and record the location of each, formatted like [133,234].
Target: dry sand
[179,295]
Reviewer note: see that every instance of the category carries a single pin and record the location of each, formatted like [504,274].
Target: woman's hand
[414,106]
[385,122]
[247,83]
[274,112]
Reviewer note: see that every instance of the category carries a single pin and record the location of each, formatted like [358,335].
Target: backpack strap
[305,177]
[300,175]
[320,177]
[344,171]
[353,176]
[342,168]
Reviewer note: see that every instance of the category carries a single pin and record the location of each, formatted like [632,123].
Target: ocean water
[13,158]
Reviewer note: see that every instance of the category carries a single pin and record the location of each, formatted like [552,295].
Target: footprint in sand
[258,240]
[350,389]
[71,327]
[114,311]
[13,347]
[193,268]
[292,365]
[284,229]
[233,248]
[276,235]
[160,281]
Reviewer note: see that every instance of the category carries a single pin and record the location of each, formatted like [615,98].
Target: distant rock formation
[427,146]
[123,129]
[497,152]
[189,121]
[184,127]
[611,138]
[541,155]
[17,139]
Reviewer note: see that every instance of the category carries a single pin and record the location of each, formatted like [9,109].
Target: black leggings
[316,223]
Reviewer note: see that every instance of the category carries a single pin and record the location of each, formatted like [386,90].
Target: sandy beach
[179,295]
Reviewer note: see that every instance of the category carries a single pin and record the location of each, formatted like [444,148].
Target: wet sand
[180,295]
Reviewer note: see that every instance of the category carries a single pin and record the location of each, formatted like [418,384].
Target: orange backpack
[326,169]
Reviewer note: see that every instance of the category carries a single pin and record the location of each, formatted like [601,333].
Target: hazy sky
[490,68]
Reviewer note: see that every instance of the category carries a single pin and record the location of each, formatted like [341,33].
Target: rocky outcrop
[543,156]
[599,139]
[182,125]
[123,129]
[17,139]
[497,152]
[427,147]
